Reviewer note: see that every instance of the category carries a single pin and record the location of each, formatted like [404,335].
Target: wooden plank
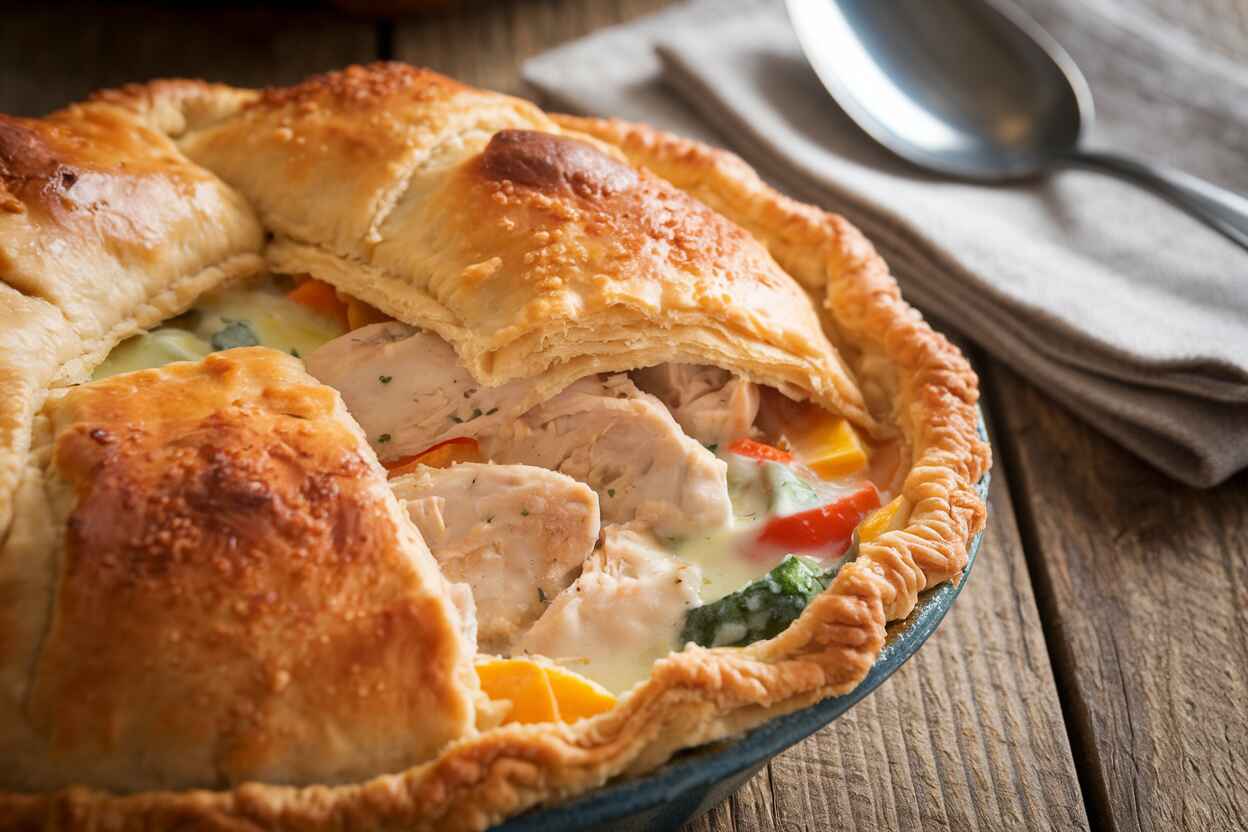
[486,43]
[52,54]
[1143,584]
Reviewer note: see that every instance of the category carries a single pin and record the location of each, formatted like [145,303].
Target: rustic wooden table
[1094,673]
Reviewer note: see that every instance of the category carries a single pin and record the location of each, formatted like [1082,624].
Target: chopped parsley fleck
[385,437]
[476,412]
[491,411]
[295,352]
[385,379]
[610,492]
[524,512]
[713,447]
[456,419]
[541,596]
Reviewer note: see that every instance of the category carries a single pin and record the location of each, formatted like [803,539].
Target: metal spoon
[977,90]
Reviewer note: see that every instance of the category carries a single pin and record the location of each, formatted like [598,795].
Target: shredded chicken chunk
[516,534]
[605,432]
[411,388]
[713,406]
[409,391]
[620,614]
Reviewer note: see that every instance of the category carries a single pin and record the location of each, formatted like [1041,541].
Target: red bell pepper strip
[822,527]
[759,451]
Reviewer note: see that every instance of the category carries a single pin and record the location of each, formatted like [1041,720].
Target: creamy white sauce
[260,306]
[621,614]
[153,349]
[759,491]
[617,669]
[726,559]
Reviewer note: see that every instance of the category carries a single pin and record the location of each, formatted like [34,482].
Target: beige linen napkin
[1118,305]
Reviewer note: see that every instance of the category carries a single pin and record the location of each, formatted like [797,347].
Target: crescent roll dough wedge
[209,581]
[536,252]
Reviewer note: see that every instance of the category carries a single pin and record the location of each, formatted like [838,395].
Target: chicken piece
[625,610]
[409,390]
[605,432]
[516,534]
[713,406]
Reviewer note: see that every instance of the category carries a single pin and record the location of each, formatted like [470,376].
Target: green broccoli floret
[761,610]
[234,334]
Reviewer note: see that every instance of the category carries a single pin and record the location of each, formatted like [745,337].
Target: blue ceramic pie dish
[697,781]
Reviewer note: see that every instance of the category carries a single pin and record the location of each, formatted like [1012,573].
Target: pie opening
[604,526]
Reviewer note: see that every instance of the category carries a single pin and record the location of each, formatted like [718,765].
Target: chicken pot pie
[381,452]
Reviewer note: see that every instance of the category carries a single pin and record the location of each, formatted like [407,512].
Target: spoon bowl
[976,90]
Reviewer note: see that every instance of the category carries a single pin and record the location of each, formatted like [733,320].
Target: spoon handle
[1218,208]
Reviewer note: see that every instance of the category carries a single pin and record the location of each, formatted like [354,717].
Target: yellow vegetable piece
[879,521]
[523,682]
[833,449]
[360,313]
[542,693]
[577,696]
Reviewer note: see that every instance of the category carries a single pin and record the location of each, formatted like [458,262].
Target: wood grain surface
[1143,586]
[52,54]
[486,43]
[1123,710]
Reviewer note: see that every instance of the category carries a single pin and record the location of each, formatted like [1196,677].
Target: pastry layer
[210,582]
[537,253]
[105,229]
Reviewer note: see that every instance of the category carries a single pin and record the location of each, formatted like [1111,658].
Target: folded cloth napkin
[1114,302]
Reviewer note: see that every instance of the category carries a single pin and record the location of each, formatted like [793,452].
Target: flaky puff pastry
[209,581]
[105,230]
[534,253]
[752,244]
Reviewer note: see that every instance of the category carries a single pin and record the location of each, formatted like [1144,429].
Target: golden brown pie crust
[910,377]
[304,630]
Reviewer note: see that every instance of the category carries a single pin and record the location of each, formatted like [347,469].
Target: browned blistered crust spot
[84,164]
[554,163]
[23,154]
[361,86]
[582,208]
[28,165]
